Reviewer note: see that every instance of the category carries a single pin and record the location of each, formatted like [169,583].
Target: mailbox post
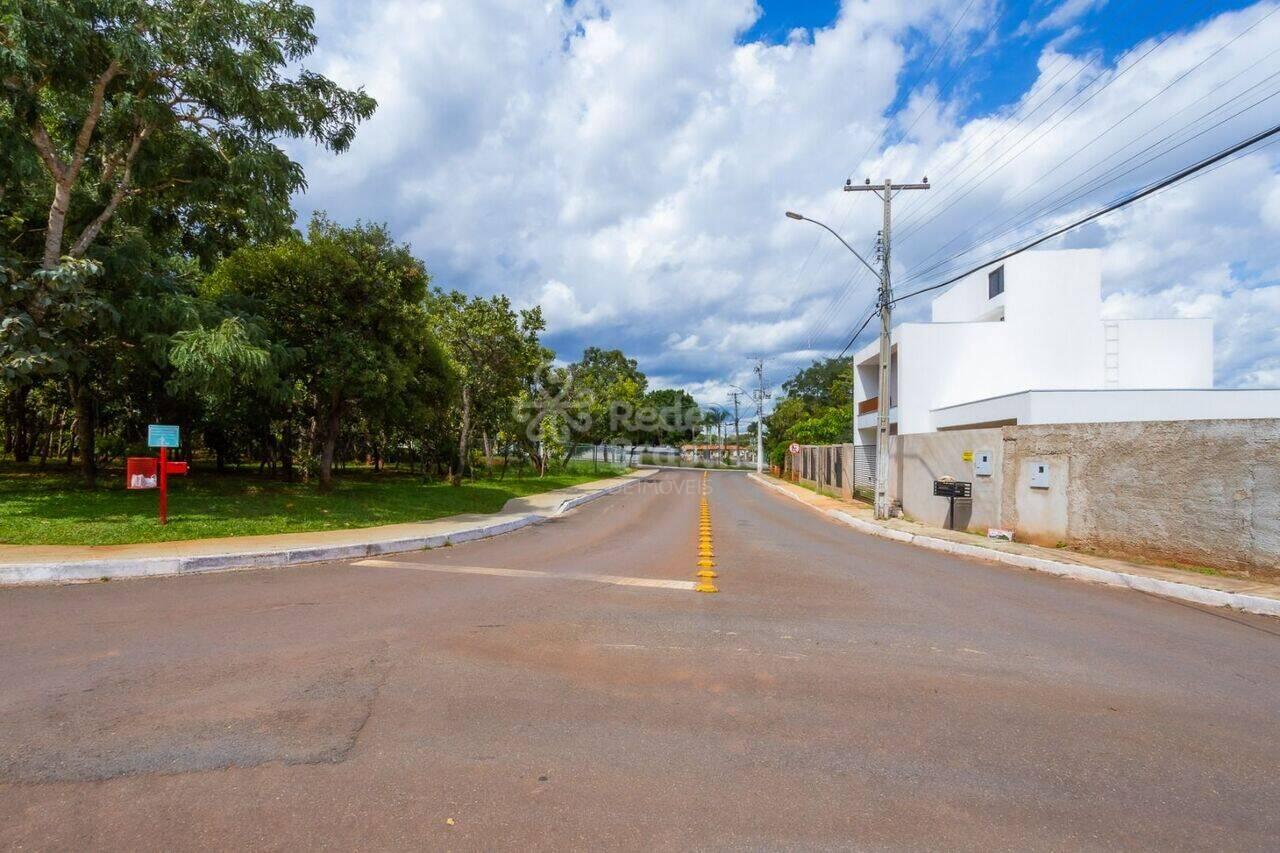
[145,473]
[952,489]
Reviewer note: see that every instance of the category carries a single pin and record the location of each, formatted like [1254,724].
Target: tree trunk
[456,478]
[56,224]
[85,424]
[55,425]
[21,420]
[286,450]
[329,441]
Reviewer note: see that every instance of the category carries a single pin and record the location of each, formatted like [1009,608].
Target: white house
[1024,342]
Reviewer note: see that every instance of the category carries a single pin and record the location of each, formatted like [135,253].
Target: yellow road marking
[614,580]
[706,565]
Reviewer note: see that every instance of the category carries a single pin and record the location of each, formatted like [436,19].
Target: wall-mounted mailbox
[982,463]
[1039,475]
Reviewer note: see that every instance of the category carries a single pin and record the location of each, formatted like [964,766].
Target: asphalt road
[840,692]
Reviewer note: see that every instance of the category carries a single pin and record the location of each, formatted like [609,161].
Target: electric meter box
[1039,475]
[982,463]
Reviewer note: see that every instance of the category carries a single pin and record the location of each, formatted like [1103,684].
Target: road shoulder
[1246,595]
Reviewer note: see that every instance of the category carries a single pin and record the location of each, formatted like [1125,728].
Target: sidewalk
[22,564]
[1247,595]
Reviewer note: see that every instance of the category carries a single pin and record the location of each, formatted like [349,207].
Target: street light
[793,215]
[882,433]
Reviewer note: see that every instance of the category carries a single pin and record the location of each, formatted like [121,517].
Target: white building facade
[1024,342]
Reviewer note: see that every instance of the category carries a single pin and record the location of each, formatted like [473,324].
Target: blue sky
[625,163]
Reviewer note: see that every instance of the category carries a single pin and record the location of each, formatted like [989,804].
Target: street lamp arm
[803,218]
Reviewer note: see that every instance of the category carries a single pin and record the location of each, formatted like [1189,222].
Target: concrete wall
[1199,492]
[1196,492]
[928,457]
[825,467]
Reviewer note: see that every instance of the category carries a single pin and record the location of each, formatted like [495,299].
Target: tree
[828,382]
[494,351]
[349,303]
[146,121]
[668,416]
[607,387]
[124,101]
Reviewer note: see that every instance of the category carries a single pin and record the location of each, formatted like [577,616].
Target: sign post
[164,437]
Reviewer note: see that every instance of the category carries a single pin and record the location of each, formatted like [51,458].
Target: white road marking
[615,580]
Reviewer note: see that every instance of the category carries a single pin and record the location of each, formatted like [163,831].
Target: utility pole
[760,396]
[886,193]
[737,439]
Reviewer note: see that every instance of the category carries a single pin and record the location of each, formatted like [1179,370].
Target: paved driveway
[839,692]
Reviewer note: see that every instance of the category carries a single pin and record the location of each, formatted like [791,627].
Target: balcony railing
[868,405]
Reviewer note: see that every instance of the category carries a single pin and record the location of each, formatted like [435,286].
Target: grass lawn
[50,507]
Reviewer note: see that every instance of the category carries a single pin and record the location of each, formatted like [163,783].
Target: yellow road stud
[705,586]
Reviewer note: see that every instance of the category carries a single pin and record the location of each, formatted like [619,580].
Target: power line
[1125,202]
[998,166]
[847,288]
[1093,184]
[1060,67]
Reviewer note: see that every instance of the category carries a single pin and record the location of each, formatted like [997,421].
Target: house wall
[927,457]
[1051,337]
[1113,405]
[1165,353]
[1201,492]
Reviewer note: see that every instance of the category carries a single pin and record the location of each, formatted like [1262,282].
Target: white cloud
[626,164]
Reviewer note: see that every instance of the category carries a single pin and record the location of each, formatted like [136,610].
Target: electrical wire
[997,166]
[1138,195]
[1093,185]
[845,290]
[906,235]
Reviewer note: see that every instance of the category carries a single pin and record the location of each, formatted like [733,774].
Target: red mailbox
[141,473]
[146,472]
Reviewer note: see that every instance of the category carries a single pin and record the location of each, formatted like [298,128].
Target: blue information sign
[162,435]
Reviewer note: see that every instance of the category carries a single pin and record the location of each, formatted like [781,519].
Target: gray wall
[1195,492]
[925,457]
[1198,492]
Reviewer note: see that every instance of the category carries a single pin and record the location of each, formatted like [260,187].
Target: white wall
[1114,406]
[1052,337]
[1166,353]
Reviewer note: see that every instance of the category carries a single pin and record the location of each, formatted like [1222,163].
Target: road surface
[840,692]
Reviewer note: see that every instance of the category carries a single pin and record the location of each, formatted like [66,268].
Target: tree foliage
[816,408]
[348,303]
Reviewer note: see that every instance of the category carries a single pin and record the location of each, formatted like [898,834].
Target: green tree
[151,122]
[123,102]
[494,351]
[828,382]
[668,416]
[607,388]
[349,303]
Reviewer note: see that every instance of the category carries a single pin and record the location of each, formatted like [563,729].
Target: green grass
[50,507]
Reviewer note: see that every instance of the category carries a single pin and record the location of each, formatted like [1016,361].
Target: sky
[626,164]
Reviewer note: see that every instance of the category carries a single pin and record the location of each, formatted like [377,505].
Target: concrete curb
[1093,574]
[139,567]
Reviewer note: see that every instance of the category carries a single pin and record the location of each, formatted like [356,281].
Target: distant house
[1024,342]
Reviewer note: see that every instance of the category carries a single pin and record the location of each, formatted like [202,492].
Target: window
[995,282]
